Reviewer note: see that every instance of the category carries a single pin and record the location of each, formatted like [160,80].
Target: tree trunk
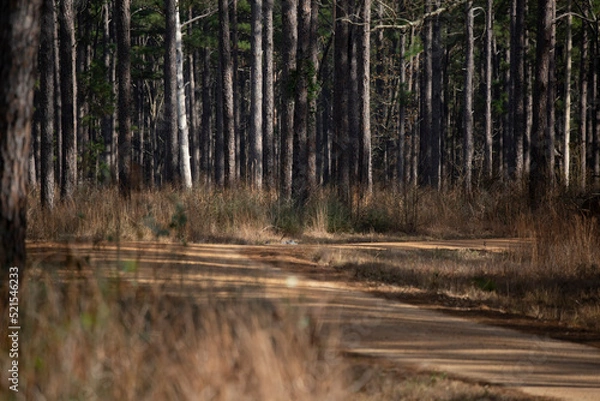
[341,95]
[364,89]
[227,93]
[19,36]
[425,117]
[595,108]
[192,104]
[124,112]
[401,148]
[256,97]
[289,22]
[46,70]
[551,110]
[185,169]
[540,168]
[489,144]
[567,121]
[170,77]
[269,97]
[303,65]
[468,105]
[583,108]
[437,110]
[107,122]
[68,92]
[205,139]
[311,129]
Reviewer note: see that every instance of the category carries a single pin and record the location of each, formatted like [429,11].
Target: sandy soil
[398,332]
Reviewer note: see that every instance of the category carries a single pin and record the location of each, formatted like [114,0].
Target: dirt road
[372,326]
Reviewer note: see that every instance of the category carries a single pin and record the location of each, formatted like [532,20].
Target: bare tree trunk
[192,105]
[124,112]
[595,108]
[468,106]
[341,96]
[425,115]
[205,139]
[68,99]
[437,110]
[58,146]
[299,183]
[227,93]
[489,36]
[107,123]
[364,89]
[517,87]
[567,121]
[46,68]
[311,129]
[401,148]
[540,167]
[550,130]
[289,43]
[170,76]
[19,36]
[583,112]
[269,97]
[185,169]
[256,97]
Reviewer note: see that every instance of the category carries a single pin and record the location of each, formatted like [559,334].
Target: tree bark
[313,92]
[205,139]
[303,65]
[107,122]
[269,97]
[185,169]
[364,89]
[170,76]
[256,97]
[567,120]
[489,36]
[124,112]
[19,37]
[46,70]
[68,90]
[583,109]
[468,105]
[437,109]
[289,43]
[227,93]
[540,168]
[341,95]
[426,115]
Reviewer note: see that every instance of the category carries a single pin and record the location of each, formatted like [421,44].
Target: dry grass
[557,278]
[86,337]
[243,215]
[105,340]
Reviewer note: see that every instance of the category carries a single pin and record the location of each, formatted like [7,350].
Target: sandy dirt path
[402,333]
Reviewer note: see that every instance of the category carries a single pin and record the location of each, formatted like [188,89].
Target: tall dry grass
[243,215]
[96,338]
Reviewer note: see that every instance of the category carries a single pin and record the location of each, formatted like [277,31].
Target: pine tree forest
[291,96]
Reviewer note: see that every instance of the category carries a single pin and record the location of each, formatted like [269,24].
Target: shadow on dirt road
[371,326]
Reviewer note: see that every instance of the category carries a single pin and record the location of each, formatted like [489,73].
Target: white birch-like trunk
[184,142]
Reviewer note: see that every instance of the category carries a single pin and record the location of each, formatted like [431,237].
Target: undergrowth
[243,215]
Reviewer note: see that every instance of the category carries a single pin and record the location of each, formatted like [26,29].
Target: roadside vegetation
[105,338]
[556,278]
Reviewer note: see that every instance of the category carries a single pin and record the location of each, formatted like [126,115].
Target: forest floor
[396,332]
